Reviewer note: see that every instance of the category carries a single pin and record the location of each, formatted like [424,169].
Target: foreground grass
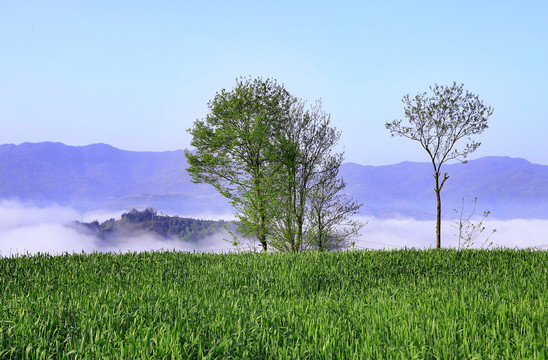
[402,304]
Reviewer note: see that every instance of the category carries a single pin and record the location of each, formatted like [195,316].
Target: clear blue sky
[136,74]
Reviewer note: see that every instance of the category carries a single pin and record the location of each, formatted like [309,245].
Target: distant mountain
[101,176]
[508,187]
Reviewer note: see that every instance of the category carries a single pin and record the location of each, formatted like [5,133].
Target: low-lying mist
[28,229]
[411,233]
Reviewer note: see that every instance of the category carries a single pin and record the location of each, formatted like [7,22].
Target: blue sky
[137,74]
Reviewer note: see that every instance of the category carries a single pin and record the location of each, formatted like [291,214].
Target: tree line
[185,229]
[273,156]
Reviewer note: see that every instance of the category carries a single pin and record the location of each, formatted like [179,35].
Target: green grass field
[405,304]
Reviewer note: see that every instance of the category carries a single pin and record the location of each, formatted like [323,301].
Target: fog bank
[28,229]
[410,233]
[25,228]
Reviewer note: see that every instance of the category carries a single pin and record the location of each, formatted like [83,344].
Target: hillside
[148,220]
[100,176]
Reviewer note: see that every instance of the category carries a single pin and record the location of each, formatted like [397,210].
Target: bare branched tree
[438,121]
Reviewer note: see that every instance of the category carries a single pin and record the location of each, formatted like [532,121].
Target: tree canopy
[268,153]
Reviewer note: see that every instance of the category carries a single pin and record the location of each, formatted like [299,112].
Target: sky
[136,75]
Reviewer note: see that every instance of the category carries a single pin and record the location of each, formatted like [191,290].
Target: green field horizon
[400,304]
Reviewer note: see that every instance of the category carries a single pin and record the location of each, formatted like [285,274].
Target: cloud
[400,233]
[25,228]
[44,238]
[144,241]
[14,214]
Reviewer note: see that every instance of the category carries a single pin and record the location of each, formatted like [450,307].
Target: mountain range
[100,176]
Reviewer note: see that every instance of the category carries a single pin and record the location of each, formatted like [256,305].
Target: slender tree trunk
[299,234]
[262,233]
[437,189]
[438,219]
[262,222]
[262,217]
[320,233]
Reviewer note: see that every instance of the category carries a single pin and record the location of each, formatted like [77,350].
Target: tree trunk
[438,197]
[438,212]
[263,244]
[262,233]
[438,220]
[320,233]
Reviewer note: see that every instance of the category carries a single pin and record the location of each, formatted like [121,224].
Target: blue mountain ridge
[100,176]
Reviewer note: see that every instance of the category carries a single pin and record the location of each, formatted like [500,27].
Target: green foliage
[236,149]
[313,212]
[186,229]
[272,157]
[405,304]
[438,121]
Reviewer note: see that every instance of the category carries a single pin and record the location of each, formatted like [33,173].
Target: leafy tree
[312,209]
[438,121]
[331,211]
[265,151]
[236,150]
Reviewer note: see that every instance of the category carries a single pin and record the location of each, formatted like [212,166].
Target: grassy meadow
[404,304]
